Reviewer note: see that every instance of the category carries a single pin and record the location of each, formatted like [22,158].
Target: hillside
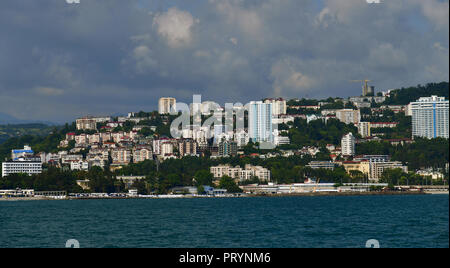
[404,96]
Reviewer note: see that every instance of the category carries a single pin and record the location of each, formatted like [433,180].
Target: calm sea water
[344,221]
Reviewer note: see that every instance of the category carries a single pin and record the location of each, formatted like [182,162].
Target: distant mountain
[6,119]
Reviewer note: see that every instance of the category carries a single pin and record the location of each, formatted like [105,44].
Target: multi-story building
[68,158]
[242,138]
[364,129]
[348,145]
[227,148]
[241,174]
[377,168]
[79,165]
[430,116]
[25,167]
[142,153]
[167,105]
[26,152]
[260,122]
[187,147]
[166,148]
[86,123]
[278,106]
[121,156]
[321,165]
[348,116]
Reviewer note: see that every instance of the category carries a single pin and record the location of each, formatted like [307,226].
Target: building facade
[17,167]
[430,117]
[260,122]
[348,145]
[167,105]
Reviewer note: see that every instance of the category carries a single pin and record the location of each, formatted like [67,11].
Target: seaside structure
[241,174]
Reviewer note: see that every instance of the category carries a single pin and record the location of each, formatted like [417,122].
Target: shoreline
[230,196]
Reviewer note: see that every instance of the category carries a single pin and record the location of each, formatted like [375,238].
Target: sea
[407,221]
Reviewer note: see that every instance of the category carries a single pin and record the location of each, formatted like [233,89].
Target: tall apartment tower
[430,117]
[260,127]
[348,145]
[279,106]
[167,105]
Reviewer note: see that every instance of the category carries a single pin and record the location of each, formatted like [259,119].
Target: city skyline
[63,61]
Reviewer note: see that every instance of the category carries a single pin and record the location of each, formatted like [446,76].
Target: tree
[229,184]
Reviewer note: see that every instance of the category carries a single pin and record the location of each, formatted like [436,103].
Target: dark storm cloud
[59,61]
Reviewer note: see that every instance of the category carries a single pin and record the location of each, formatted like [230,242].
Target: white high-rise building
[167,105]
[430,117]
[260,122]
[348,145]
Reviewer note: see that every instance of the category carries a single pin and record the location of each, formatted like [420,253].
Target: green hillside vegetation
[11,131]
[404,96]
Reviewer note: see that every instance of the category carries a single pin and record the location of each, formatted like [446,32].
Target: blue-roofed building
[26,152]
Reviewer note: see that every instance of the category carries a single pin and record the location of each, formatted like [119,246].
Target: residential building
[241,174]
[348,145]
[260,122]
[278,106]
[142,153]
[86,123]
[167,105]
[121,156]
[430,117]
[79,165]
[187,147]
[348,116]
[364,129]
[377,168]
[227,148]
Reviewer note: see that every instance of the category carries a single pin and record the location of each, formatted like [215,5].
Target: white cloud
[176,26]
[288,79]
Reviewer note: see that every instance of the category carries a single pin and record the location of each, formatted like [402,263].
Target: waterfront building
[377,168]
[260,122]
[167,105]
[241,174]
[18,167]
[430,117]
[348,145]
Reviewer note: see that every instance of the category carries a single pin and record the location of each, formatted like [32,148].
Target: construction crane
[365,86]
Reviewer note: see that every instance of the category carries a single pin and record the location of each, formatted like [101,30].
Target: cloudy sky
[59,61]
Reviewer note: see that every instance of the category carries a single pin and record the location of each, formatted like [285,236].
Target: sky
[59,61]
